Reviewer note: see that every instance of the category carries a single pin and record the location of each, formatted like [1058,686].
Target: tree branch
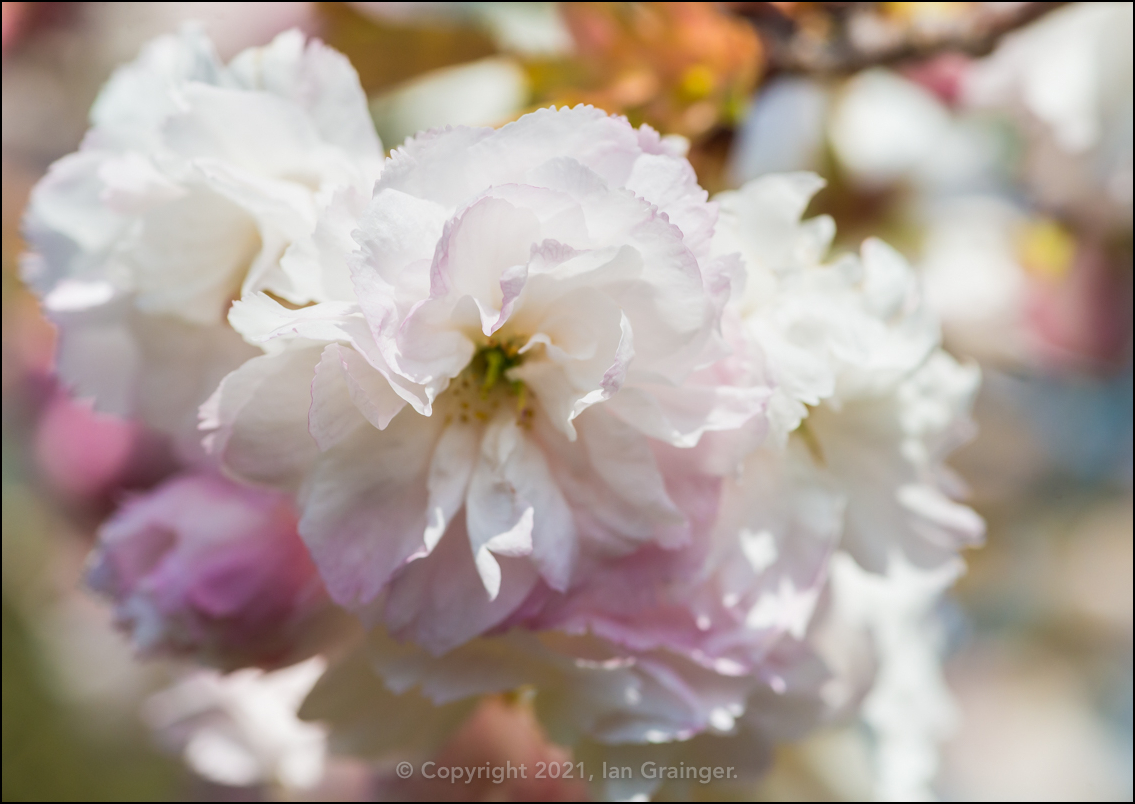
[842,38]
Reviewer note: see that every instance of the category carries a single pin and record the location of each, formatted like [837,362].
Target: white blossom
[191,185]
[537,313]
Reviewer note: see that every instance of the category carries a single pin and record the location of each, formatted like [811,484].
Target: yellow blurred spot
[924,11]
[697,82]
[1046,249]
[523,696]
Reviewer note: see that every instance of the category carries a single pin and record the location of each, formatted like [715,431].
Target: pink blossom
[205,567]
[82,453]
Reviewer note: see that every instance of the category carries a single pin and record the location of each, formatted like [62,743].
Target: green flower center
[482,389]
[492,361]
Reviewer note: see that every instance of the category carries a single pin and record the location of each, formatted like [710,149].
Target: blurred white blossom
[241,729]
[189,188]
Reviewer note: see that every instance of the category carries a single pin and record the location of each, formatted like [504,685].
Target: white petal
[140,96]
[497,517]
[680,416]
[263,320]
[191,256]
[320,80]
[477,251]
[264,134]
[259,416]
[612,483]
[364,513]
[451,467]
[67,224]
[587,347]
[554,543]
[316,267]
[347,393]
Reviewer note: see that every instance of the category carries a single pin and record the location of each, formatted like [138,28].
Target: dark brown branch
[847,37]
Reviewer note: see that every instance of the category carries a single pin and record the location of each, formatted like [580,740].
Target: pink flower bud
[202,566]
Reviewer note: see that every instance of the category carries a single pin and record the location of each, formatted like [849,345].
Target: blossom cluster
[542,416]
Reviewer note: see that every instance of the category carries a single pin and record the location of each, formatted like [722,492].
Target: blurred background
[991,142]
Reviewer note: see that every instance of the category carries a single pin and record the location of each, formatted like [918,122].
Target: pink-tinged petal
[651,598]
[431,347]
[558,270]
[606,145]
[452,165]
[258,419]
[261,319]
[397,235]
[439,602]
[585,346]
[781,520]
[482,255]
[559,213]
[660,288]
[333,416]
[364,512]
[672,185]
[622,459]
[555,544]
[611,482]
[346,393]
[516,541]
[724,278]
[673,321]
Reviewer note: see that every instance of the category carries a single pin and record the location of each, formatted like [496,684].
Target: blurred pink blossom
[944,75]
[82,453]
[1084,318]
[203,566]
[15,15]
